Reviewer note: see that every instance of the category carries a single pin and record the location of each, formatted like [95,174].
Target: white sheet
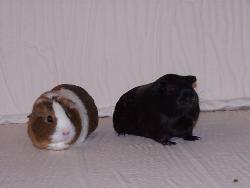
[110,161]
[110,46]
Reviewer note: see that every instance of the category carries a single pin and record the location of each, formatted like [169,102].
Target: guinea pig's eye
[49,119]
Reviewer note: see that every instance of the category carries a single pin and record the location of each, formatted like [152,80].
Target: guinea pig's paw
[121,133]
[58,146]
[191,138]
[168,142]
[165,141]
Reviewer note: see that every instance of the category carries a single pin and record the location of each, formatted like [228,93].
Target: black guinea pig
[166,108]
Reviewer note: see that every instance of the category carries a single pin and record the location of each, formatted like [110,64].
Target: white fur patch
[58,139]
[58,146]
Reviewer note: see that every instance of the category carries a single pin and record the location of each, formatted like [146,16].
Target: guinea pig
[166,108]
[63,116]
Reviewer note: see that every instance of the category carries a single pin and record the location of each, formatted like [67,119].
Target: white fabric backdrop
[110,46]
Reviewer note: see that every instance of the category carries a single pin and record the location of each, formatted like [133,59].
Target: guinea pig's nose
[66,132]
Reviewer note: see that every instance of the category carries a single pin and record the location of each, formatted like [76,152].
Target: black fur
[166,108]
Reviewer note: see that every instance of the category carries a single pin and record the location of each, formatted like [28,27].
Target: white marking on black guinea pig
[65,130]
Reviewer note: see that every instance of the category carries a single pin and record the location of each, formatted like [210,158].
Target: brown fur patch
[42,144]
[39,129]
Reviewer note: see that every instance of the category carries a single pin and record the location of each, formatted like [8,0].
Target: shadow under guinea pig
[166,108]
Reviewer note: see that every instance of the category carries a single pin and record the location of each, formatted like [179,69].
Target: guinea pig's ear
[191,80]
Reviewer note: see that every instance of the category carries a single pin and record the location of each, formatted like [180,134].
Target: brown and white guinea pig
[61,117]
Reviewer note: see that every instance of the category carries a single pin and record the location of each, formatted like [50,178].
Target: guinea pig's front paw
[58,146]
[191,138]
[168,142]
[165,141]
